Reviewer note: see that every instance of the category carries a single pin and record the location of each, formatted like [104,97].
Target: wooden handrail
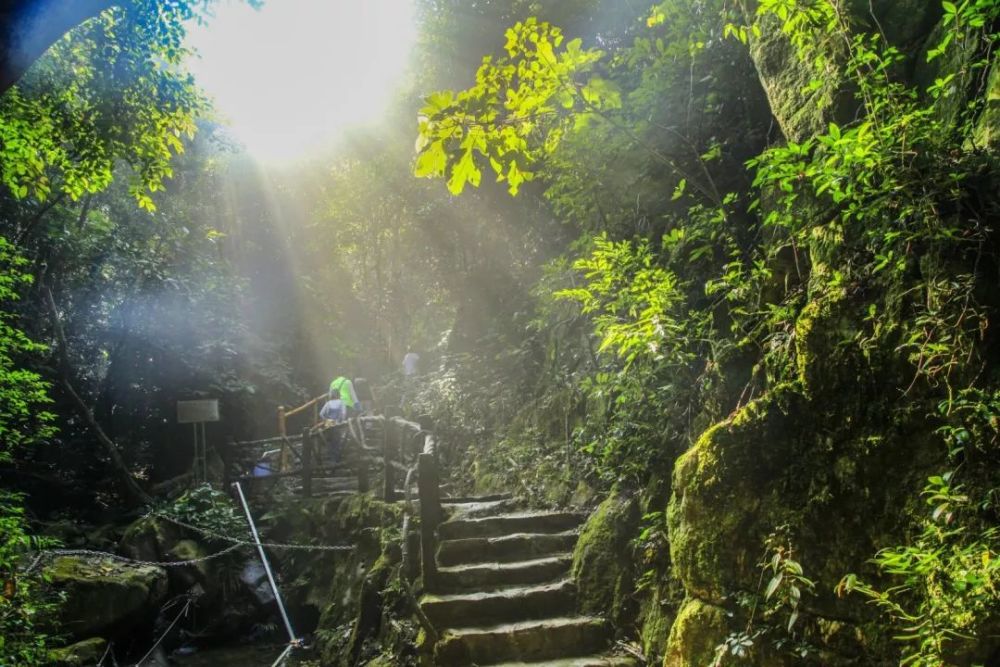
[308,404]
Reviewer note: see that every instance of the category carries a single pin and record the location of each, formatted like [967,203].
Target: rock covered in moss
[697,630]
[602,567]
[104,596]
[803,100]
[81,654]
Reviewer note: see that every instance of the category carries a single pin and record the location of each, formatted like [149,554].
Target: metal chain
[132,561]
[270,545]
[235,544]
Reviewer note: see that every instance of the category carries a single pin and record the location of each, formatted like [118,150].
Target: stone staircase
[504,594]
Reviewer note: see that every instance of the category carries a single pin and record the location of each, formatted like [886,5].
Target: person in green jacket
[343,388]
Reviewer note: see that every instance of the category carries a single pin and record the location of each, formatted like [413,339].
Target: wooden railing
[428,491]
[406,447]
[284,413]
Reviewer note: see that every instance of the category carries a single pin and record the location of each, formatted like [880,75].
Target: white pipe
[293,640]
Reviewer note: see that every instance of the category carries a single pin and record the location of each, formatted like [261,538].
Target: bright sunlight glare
[292,75]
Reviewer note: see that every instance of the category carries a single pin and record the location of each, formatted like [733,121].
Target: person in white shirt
[411,363]
[333,410]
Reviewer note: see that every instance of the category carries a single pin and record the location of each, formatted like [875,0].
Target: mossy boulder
[805,100]
[987,135]
[602,568]
[699,628]
[657,613]
[81,654]
[103,596]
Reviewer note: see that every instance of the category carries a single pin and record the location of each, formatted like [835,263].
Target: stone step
[503,606]
[492,576]
[505,524]
[505,549]
[587,661]
[479,508]
[554,638]
[466,500]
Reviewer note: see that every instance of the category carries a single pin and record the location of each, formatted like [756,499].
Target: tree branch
[128,482]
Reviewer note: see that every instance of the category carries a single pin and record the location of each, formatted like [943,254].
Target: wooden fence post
[428,486]
[308,440]
[389,469]
[283,465]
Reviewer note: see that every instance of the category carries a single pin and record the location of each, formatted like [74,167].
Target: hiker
[333,410]
[343,388]
[411,363]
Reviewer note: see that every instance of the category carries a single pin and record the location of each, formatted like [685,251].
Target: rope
[164,635]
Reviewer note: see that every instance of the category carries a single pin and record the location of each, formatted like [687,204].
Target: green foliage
[511,117]
[945,582]
[24,421]
[632,301]
[112,90]
[210,510]
[774,612]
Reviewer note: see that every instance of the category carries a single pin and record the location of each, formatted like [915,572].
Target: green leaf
[432,161]
[465,170]
[679,190]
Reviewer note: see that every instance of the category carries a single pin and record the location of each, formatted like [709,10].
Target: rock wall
[837,452]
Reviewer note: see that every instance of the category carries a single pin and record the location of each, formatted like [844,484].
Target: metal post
[267,566]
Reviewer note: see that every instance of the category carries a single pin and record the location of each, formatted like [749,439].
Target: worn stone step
[503,606]
[479,508]
[491,576]
[553,638]
[586,661]
[468,500]
[505,524]
[505,549]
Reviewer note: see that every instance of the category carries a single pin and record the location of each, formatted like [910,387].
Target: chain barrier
[123,559]
[235,544]
[270,545]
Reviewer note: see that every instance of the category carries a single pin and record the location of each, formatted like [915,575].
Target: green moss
[80,654]
[987,135]
[800,112]
[699,628]
[102,595]
[656,616]
[602,568]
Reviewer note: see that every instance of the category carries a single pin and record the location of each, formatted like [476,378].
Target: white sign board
[192,412]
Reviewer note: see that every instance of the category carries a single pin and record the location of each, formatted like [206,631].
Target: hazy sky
[293,74]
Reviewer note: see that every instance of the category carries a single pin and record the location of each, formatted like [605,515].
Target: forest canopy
[720,275]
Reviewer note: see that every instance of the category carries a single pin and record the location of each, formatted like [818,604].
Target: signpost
[198,413]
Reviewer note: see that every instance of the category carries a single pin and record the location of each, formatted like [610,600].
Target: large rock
[81,654]
[103,596]
[695,634]
[803,110]
[605,578]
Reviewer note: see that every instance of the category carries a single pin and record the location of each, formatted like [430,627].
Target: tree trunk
[29,27]
[129,484]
